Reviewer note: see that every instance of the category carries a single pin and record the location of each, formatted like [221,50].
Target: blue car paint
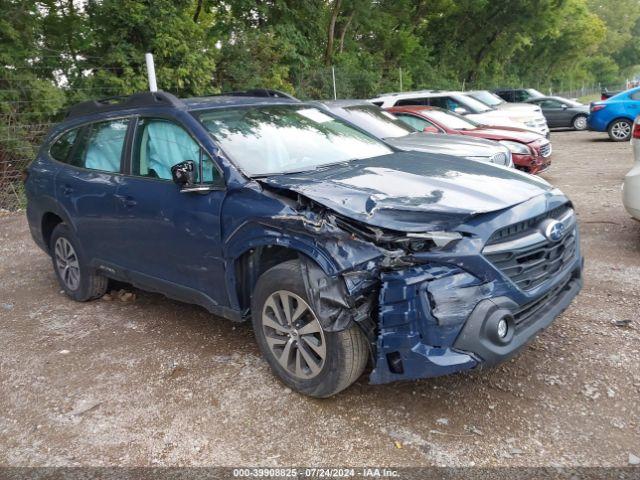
[202,237]
[618,106]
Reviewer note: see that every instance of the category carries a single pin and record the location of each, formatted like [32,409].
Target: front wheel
[620,130]
[580,122]
[299,351]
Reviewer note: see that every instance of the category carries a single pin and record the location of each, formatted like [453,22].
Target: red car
[531,152]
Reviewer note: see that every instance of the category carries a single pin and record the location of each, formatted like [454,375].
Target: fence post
[333,76]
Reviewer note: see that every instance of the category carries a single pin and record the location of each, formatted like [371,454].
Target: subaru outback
[343,251]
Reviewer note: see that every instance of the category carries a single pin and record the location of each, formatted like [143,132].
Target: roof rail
[144,99]
[259,92]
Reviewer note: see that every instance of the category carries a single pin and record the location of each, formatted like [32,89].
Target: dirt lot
[156,382]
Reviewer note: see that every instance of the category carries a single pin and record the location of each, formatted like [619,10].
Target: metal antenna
[151,72]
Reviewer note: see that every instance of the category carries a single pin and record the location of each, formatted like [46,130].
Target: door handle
[127,200]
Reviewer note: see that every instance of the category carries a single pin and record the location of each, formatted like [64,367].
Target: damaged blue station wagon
[341,249]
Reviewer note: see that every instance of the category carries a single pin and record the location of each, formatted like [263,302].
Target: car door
[633,105]
[554,112]
[86,185]
[171,239]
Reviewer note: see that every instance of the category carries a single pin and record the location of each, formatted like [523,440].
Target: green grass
[587,99]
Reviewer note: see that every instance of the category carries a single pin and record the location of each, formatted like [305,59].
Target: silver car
[385,126]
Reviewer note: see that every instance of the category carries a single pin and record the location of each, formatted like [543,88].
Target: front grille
[527,312]
[520,229]
[500,159]
[526,256]
[545,149]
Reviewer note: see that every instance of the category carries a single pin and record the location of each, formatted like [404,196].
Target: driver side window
[160,144]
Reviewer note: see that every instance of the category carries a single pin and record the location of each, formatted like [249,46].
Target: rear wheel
[620,130]
[580,122]
[74,275]
[299,351]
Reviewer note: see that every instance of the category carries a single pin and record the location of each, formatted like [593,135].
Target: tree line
[55,52]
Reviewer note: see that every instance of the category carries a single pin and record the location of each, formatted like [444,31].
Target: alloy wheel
[294,334]
[580,123]
[621,130]
[67,263]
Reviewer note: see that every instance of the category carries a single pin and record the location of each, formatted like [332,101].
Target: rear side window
[61,148]
[635,95]
[101,146]
[520,96]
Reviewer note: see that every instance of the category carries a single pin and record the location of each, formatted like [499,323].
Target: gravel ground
[157,382]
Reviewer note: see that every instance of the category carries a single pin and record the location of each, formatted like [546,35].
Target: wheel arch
[244,269]
[619,117]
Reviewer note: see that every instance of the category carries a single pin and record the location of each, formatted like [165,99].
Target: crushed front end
[477,302]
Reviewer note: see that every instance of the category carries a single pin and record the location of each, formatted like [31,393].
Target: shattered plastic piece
[621,322]
[441,239]
[329,298]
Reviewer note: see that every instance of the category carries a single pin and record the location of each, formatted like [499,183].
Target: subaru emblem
[554,230]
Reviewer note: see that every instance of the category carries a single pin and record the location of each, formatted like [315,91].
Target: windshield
[275,139]
[471,104]
[571,103]
[534,93]
[375,121]
[487,98]
[450,119]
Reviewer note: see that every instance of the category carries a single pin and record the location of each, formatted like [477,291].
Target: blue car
[341,250]
[615,115]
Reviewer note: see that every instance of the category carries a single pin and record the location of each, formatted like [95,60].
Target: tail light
[636,130]
[595,108]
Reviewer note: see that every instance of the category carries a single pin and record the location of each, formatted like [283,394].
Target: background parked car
[562,112]
[530,115]
[517,94]
[631,185]
[530,152]
[385,126]
[615,115]
[453,101]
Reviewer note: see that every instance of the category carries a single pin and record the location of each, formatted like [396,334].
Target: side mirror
[431,129]
[184,174]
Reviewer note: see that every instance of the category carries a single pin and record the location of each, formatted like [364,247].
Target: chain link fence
[18,147]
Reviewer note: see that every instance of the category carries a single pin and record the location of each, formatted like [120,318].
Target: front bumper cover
[479,334]
[416,341]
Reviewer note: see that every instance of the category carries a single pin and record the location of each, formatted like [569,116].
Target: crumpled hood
[457,145]
[412,191]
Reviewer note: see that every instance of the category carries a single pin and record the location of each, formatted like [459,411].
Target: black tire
[579,122]
[619,126]
[347,351]
[90,285]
